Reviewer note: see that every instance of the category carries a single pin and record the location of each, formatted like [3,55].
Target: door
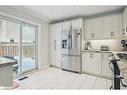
[97,28]
[58,31]
[28,43]
[117,25]
[86,62]
[67,25]
[105,65]
[96,63]
[77,24]
[107,27]
[75,42]
[10,43]
[55,44]
[89,29]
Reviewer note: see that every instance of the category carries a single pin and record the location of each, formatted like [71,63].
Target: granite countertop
[97,51]
[122,65]
[6,62]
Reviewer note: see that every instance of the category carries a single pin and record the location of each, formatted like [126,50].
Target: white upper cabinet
[89,29]
[67,25]
[93,28]
[107,26]
[104,27]
[77,24]
[117,25]
[97,28]
[125,21]
[112,26]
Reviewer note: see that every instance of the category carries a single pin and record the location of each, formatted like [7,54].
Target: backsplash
[114,44]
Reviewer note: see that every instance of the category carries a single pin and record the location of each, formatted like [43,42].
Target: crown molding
[29,12]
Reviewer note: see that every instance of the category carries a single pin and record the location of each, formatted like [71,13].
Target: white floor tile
[54,78]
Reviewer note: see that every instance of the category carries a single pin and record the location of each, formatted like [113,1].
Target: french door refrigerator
[71,46]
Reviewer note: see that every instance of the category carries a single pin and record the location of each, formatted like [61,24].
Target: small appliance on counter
[104,48]
[124,44]
[88,46]
[122,55]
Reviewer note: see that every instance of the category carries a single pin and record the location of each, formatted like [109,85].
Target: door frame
[21,22]
[36,53]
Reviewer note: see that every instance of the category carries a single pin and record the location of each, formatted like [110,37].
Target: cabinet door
[52,44]
[97,28]
[96,63]
[125,18]
[116,25]
[107,27]
[86,62]
[58,30]
[67,25]
[89,29]
[105,65]
[77,24]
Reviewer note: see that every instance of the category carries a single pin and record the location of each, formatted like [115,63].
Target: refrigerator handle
[70,40]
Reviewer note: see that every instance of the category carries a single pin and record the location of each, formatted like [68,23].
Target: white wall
[43,32]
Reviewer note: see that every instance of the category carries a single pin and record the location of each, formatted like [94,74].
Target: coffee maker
[124,44]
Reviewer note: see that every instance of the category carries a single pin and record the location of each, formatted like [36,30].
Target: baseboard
[43,67]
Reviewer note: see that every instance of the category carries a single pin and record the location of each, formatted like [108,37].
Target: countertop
[6,62]
[98,51]
[122,65]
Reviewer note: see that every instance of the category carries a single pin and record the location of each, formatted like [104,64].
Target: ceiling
[56,13]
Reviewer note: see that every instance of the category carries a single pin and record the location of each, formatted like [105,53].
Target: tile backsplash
[114,44]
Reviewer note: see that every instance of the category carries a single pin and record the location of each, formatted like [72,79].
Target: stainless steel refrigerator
[71,50]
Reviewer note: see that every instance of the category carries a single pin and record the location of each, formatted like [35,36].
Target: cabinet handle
[126,28]
[54,41]
[123,31]
[92,35]
[54,47]
[112,33]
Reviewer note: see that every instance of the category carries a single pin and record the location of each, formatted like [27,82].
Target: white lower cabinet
[105,65]
[91,63]
[86,62]
[96,63]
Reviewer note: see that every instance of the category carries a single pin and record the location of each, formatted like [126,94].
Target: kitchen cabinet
[103,27]
[112,26]
[89,29]
[105,65]
[55,44]
[97,28]
[91,63]
[96,64]
[93,28]
[125,21]
[86,62]
[67,25]
[77,24]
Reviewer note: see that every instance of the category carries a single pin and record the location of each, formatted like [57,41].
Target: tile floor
[54,78]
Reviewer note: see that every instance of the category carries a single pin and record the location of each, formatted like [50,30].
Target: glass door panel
[28,48]
[10,43]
